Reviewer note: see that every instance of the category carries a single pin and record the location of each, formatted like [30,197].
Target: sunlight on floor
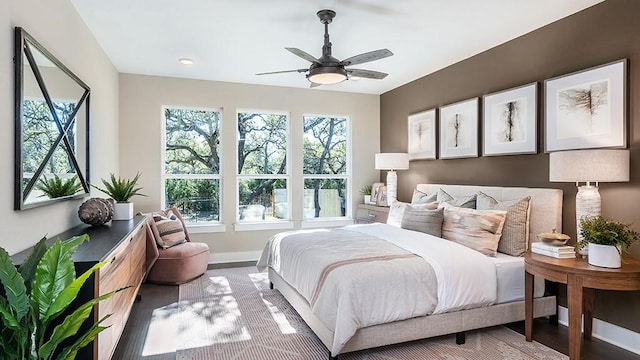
[261,281]
[162,336]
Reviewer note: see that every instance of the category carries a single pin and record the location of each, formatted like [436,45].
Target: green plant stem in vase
[599,233]
[121,190]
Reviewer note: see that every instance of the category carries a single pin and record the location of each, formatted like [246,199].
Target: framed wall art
[459,130]
[587,109]
[510,121]
[422,135]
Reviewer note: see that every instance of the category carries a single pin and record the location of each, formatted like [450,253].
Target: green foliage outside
[35,301]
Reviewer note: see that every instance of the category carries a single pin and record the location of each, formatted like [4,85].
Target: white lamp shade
[392,161]
[601,165]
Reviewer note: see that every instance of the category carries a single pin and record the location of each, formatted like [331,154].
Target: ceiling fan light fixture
[327,75]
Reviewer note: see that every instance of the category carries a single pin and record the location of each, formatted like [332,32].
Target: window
[326,170]
[191,171]
[263,173]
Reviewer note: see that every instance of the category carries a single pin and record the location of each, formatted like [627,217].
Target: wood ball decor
[96,211]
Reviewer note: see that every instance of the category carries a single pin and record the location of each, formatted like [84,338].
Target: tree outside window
[192,163]
[326,172]
[263,178]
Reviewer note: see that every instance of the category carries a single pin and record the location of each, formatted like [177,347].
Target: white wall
[141,100]
[57,26]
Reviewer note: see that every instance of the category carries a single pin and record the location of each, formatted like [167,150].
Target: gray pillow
[426,221]
[422,198]
[468,202]
[515,233]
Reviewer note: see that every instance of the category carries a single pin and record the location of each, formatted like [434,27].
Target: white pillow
[396,211]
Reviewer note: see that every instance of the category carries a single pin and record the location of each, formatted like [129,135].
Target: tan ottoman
[180,264]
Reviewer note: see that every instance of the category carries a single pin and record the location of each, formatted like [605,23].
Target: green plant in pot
[35,301]
[121,190]
[606,240]
[57,187]
[366,192]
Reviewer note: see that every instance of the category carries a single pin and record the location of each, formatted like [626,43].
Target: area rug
[232,314]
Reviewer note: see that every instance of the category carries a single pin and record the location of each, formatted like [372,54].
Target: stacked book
[561,252]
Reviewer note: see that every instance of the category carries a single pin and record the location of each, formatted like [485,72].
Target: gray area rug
[232,314]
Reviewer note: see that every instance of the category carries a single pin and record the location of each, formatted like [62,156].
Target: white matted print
[510,121]
[422,135]
[587,109]
[459,130]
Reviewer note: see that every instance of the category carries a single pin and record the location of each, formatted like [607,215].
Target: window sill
[322,223]
[206,228]
[266,225]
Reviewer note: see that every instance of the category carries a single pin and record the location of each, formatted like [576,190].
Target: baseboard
[234,257]
[613,334]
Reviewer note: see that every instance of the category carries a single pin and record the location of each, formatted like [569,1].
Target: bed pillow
[515,234]
[426,221]
[477,229]
[396,211]
[462,201]
[420,197]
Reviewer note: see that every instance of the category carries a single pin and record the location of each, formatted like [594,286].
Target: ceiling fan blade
[283,71]
[366,57]
[314,85]
[369,74]
[302,54]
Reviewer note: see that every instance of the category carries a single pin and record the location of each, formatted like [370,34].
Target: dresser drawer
[371,214]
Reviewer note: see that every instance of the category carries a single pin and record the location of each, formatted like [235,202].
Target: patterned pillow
[463,201]
[477,229]
[426,221]
[515,234]
[396,211]
[422,198]
[170,230]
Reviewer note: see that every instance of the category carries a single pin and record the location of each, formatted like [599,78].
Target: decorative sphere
[96,211]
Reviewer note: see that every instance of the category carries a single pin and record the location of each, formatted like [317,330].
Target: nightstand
[371,213]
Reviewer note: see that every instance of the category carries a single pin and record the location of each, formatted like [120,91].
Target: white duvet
[396,286]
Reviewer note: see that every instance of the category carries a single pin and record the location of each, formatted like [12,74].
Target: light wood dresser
[371,213]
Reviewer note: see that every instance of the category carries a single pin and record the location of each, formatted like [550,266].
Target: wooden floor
[135,345]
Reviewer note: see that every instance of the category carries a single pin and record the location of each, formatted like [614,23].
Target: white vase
[366,198]
[123,211]
[604,256]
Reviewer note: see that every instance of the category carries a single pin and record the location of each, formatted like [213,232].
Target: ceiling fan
[329,70]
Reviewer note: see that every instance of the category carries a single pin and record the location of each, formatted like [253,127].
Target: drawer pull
[114,259]
[372,215]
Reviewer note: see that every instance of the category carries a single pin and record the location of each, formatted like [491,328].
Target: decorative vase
[367,199]
[604,256]
[123,211]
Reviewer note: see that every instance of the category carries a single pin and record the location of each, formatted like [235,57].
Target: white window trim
[266,224]
[348,216]
[326,222]
[192,227]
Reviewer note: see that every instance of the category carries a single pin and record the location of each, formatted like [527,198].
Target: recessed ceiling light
[186,61]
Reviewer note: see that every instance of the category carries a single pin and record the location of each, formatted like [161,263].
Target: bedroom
[554,50]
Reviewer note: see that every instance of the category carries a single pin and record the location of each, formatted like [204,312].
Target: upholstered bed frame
[546,214]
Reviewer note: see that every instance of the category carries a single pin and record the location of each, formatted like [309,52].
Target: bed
[429,300]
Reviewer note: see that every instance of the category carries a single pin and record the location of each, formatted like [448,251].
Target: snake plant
[35,299]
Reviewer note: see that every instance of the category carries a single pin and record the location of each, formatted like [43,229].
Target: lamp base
[587,204]
[392,187]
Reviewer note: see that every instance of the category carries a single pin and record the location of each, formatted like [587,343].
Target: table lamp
[392,162]
[597,165]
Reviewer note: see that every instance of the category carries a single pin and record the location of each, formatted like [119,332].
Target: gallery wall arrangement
[583,110]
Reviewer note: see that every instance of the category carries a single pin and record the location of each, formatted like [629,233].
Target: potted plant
[121,190]
[366,192]
[57,187]
[35,301]
[606,240]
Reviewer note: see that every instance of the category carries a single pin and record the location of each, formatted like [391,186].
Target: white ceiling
[232,40]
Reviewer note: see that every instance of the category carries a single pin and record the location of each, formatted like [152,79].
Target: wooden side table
[371,213]
[581,279]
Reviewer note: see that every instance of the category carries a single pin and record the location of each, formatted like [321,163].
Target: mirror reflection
[52,107]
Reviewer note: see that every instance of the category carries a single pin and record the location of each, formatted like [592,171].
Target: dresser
[122,242]
[371,213]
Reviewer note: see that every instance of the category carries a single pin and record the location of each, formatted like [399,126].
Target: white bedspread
[358,294]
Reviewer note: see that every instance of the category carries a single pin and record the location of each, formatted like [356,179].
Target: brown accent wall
[603,33]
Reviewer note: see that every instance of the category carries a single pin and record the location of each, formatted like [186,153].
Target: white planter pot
[123,211]
[604,256]
[366,198]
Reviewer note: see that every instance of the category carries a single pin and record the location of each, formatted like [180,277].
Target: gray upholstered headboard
[546,204]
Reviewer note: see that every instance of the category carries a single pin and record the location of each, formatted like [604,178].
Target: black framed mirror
[52,128]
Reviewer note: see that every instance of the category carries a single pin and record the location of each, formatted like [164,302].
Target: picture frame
[587,109]
[375,188]
[459,130]
[421,129]
[381,200]
[510,121]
